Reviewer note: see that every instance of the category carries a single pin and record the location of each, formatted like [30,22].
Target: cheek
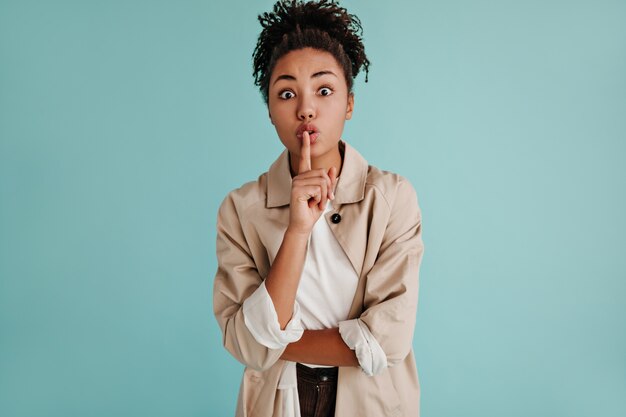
[339,111]
[276,115]
[281,122]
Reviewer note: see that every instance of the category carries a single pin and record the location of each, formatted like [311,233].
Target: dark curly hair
[322,25]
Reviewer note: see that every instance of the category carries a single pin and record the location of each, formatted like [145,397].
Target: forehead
[302,63]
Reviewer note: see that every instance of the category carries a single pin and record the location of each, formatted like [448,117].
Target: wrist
[296,234]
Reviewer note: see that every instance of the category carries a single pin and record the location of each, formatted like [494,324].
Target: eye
[325,91]
[286,94]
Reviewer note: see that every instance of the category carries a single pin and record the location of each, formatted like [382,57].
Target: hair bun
[291,18]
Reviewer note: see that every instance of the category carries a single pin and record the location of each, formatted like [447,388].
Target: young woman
[318,259]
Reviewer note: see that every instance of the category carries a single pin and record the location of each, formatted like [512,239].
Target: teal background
[123,124]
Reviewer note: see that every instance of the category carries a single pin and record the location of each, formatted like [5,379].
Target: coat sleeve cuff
[358,337]
[262,321]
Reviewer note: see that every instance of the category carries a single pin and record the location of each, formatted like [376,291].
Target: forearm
[284,275]
[321,347]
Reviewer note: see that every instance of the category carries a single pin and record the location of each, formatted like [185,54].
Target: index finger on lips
[305,154]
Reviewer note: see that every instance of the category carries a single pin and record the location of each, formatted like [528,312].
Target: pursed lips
[307,127]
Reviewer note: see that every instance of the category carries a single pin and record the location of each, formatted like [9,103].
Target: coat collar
[350,186]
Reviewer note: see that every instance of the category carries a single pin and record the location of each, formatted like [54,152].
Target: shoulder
[394,188]
[249,195]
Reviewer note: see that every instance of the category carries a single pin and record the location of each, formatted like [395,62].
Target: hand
[310,190]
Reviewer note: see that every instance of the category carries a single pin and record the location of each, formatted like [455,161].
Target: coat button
[324,378]
[335,218]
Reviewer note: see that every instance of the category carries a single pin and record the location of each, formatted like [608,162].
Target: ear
[270,116]
[350,107]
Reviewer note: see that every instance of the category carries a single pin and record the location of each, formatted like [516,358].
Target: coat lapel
[349,232]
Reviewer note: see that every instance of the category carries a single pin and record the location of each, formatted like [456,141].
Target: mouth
[310,128]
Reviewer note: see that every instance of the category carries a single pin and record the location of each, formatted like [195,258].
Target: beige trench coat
[380,232]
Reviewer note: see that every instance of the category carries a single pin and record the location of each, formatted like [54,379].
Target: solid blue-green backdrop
[123,124]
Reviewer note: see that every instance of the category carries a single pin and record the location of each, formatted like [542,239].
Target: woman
[318,259]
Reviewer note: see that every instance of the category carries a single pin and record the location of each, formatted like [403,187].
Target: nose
[306,109]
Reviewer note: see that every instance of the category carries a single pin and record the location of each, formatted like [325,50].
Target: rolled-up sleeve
[391,291]
[262,321]
[369,353]
[236,279]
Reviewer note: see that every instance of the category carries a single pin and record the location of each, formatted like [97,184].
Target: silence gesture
[310,190]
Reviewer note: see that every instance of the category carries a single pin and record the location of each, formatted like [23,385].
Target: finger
[315,192]
[311,189]
[305,153]
[303,179]
[307,183]
[321,192]
[324,193]
[332,174]
[315,181]
[314,173]
[314,197]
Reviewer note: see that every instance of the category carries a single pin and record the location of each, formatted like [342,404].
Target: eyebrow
[291,77]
